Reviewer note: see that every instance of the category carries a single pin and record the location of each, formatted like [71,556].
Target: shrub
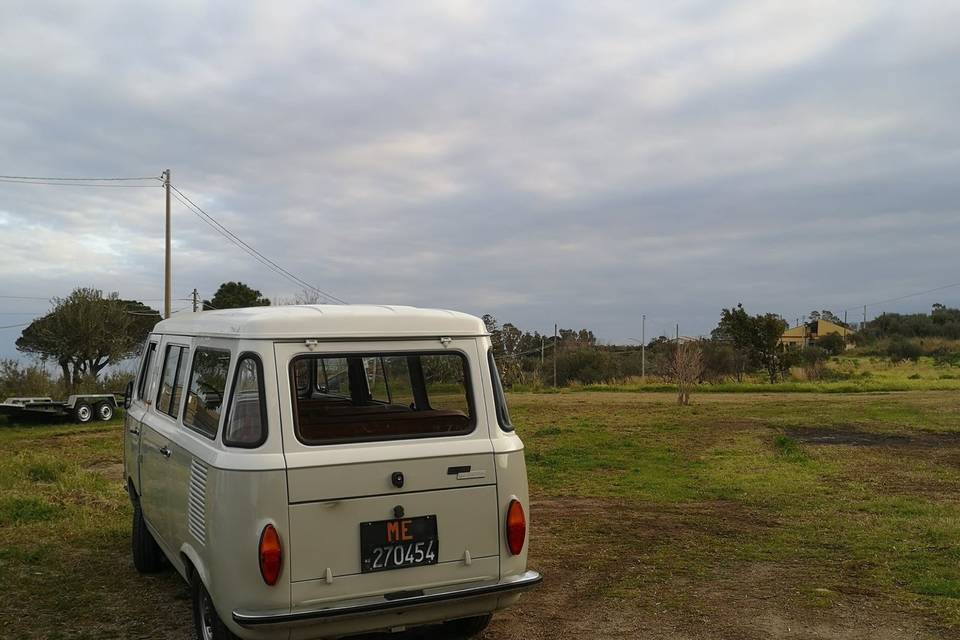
[943,356]
[832,343]
[814,360]
[902,349]
[787,448]
[17,379]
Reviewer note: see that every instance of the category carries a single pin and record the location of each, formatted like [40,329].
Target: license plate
[395,544]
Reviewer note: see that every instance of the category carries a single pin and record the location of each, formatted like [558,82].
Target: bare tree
[307,296]
[685,368]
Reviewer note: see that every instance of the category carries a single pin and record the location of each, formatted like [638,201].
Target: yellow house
[810,332]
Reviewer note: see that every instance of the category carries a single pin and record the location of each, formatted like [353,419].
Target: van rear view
[356,471]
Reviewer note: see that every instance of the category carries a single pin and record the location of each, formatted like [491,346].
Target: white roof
[324,321]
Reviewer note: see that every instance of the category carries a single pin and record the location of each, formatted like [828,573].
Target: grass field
[745,515]
[854,374]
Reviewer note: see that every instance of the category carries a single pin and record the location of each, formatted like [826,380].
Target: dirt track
[582,596]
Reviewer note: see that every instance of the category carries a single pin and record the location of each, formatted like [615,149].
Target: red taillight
[271,555]
[516,527]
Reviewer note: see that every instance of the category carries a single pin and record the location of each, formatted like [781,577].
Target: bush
[30,380]
[901,349]
[943,356]
[17,379]
[832,343]
[814,361]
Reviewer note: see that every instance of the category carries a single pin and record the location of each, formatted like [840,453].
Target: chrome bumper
[390,602]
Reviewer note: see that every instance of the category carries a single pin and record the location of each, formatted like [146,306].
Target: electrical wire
[110,179]
[83,184]
[249,249]
[14,326]
[232,237]
[904,297]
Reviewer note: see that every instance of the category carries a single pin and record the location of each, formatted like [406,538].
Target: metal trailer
[82,408]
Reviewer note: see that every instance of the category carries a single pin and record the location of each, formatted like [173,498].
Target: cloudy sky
[581,163]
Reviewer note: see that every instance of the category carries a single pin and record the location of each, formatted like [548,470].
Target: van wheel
[82,412]
[147,556]
[206,623]
[104,411]
[466,627]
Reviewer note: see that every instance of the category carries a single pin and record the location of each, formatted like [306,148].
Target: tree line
[87,331]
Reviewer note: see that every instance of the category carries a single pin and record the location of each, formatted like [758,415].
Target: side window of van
[208,383]
[171,384]
[246,423]
[499,399]
[145,369]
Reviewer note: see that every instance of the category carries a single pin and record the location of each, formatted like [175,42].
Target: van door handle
[165,451]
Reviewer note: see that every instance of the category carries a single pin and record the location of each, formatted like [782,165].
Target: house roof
[324,321]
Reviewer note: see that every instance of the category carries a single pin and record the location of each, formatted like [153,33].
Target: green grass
[65,569]
[892,512]
[692,496]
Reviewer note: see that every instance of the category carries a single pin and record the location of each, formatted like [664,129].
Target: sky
[584,163]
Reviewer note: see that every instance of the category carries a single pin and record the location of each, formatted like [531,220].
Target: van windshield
[380,396]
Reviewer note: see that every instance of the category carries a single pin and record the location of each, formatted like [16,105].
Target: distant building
[809,332]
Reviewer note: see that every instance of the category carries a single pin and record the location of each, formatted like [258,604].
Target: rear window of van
[380,396]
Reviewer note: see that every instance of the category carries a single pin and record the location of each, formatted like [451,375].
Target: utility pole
[643,347]
[166,256]
[195,296]
[541,353]
[864,317]
[844,316]
[555,349]
[678,333]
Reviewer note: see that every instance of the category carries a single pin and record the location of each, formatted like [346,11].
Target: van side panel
[512,485]
[239,505]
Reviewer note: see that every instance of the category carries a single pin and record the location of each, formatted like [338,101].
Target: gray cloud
[573,162]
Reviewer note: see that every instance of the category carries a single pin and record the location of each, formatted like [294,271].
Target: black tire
[104,411]
[82,412]
[147,556]
[466,627]
[207,624]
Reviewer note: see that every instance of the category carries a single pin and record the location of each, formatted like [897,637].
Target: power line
[14,326]
[256,254]
[110,179]
[904,297]
[215,228]
[232,237]
[83,184]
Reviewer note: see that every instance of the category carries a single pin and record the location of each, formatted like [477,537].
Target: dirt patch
[107,468]
[853,436]
[618,569]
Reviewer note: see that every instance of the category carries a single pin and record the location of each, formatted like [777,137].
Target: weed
[44,471]
[788,448]
[24,510]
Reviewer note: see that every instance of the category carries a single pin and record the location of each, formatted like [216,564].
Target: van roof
[324,321]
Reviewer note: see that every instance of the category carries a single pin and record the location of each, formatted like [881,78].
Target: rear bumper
[389,602]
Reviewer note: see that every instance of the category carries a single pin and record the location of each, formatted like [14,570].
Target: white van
[323,471]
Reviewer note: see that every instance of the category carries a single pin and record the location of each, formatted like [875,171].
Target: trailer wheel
[82,412]
[105,411]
